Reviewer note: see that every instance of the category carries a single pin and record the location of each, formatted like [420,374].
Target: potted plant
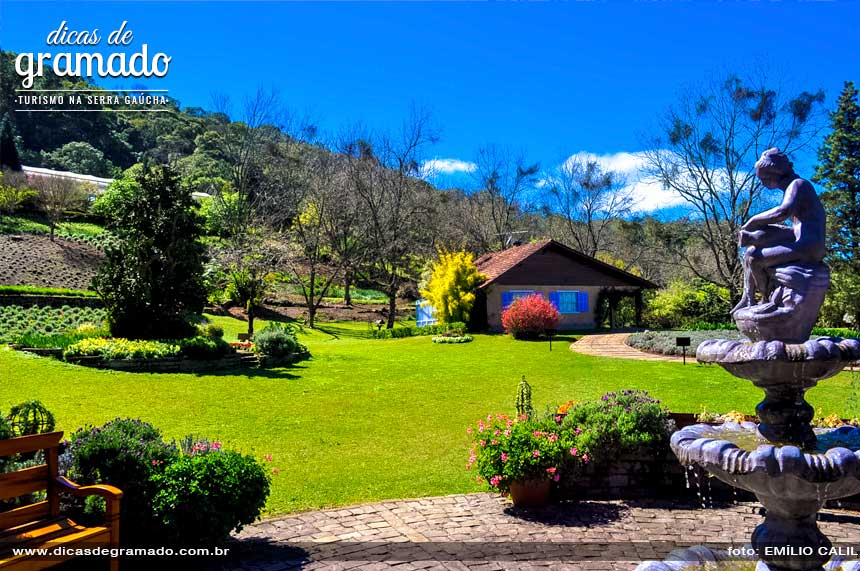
[519,456]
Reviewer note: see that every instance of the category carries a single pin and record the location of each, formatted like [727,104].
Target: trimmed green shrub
[212,330]
[45,291]
[202,497]
[277,340]
[401,332]
[205,348]
[16,320]
[30,417]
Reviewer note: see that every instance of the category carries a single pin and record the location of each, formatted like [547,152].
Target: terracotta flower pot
[530,493]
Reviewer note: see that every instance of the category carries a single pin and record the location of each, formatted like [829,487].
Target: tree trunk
[53,227]
[347,284]
[250,310]
[312,315]
[311,296]
[392,307]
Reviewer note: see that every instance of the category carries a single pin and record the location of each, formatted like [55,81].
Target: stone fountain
[791,468]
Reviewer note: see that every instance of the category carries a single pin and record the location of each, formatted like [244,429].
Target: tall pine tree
[839,173]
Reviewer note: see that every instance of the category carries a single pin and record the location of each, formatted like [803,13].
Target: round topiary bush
[31,417]
[529,317]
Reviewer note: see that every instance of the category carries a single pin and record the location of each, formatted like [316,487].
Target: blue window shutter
[554,300]
[581,301]
[507,299]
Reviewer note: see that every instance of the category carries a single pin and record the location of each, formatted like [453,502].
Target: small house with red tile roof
[570,280]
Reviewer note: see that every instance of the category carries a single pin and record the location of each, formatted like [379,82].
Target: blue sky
[549,78]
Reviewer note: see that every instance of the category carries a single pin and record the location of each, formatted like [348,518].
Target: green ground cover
[363,419]
[37,225]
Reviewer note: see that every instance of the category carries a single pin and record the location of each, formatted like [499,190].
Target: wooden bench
[40,525]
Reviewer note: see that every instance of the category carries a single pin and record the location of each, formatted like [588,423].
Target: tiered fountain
[791,468]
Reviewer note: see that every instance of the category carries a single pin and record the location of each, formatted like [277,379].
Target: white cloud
[436,167]
[648,195]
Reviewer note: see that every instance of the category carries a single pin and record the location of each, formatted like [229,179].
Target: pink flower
[490,417]
[585,458]
[275,471]
[480,428]
[472,459]
[574,452]
[497,432]
[556,478]
[558,419]
[509,424]
[479,479]
[216,445]
[494,481]
[494,442]
[536,454]
[507,433]
[553,437]
[504,457]
[469,430]
[483,442]
[268,457]
[550,470]
[578,430]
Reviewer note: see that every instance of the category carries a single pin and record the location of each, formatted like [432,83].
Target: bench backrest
[29,480]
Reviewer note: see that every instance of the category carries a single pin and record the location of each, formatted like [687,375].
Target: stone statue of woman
[783,263]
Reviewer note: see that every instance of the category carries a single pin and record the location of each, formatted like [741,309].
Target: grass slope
[366,420]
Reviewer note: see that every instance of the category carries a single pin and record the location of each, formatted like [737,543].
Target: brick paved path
[613,345]
[482,532]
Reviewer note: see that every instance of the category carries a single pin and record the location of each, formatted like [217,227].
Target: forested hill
[105,144]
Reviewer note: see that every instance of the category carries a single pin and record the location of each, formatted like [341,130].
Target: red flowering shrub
[528,317]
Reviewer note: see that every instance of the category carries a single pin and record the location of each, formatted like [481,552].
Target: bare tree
[705,150]
[385,174]
[503,178]
[58,196]
[589,199]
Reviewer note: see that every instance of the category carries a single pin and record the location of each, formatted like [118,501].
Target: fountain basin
[791,484]
[785,372]
[770,470]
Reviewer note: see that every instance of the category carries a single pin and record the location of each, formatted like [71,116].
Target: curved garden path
[613,345]
[482,532]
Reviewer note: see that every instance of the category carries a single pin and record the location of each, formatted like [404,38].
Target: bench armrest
[103,490]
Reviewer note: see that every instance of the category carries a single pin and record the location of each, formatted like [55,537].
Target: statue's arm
[777,213]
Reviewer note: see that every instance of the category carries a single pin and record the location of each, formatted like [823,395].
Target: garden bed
[50,300]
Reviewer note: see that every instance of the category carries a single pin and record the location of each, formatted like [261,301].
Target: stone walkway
[482,532]
[613,345]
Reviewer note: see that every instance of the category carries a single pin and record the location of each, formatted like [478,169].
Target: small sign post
[683,342]
[549,333]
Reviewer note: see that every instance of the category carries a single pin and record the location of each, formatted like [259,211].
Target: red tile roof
[495,264]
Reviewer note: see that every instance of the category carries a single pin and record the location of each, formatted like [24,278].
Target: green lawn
[364,419]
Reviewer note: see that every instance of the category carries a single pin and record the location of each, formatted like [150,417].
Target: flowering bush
[528,317]
[569,438]
[619,421]
[118,348]
[506,450]
[449,339]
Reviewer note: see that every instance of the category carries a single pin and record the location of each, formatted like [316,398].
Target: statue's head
[773,167]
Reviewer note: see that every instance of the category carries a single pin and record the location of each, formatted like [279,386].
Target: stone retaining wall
[175,365]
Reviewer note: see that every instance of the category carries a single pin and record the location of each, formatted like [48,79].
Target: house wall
[551,268]
[582,320]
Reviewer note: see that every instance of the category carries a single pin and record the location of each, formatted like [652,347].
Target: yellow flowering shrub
[452,286]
